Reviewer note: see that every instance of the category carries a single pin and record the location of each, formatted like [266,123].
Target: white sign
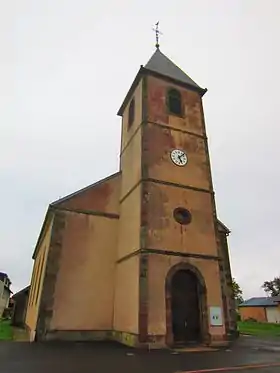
[216,318]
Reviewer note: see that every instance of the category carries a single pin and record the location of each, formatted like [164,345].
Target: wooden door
[185,307]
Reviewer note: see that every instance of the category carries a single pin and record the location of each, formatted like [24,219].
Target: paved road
[256,369]
[21,357]
[258,343]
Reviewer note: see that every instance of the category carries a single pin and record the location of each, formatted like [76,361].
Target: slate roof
[224,227]
[58,201]
[161,64]
[3,276]
[24,290]
[261,302]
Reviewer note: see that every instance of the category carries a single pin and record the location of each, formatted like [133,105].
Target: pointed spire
[162,65]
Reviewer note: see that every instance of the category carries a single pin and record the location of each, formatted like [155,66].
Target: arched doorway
[186,306]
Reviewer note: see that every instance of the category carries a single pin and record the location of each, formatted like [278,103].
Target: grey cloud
[67,68]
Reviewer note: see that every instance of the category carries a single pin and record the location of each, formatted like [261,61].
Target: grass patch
[259,329]
[6,331]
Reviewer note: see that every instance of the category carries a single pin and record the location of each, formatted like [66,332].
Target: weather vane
[156,30]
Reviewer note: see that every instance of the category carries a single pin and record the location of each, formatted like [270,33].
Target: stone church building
[140,257]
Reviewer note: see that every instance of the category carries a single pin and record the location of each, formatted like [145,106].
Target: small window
[131,111]
[182,216]
[174,102]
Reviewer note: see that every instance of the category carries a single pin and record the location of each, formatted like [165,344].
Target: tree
[272,287]
[237,292]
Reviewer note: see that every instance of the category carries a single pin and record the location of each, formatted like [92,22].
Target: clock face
[179,157]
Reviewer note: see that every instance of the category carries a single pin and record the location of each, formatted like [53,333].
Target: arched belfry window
[131,112]
[174,101]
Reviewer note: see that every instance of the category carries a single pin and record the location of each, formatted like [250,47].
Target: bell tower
[169,283]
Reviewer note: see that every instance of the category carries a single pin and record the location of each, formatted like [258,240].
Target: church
[140,257]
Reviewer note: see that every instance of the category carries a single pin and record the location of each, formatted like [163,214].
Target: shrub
[251,319]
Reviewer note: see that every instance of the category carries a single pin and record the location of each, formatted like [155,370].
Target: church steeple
[162,67]
[168,221]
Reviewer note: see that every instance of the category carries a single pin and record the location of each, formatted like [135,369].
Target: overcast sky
[65,68]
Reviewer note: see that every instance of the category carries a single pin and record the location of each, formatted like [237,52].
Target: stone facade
[112,249]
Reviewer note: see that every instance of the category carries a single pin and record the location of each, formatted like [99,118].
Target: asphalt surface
[63,357]
[250,370]
[258,343]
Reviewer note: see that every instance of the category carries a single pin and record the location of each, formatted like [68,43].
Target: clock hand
[179,156]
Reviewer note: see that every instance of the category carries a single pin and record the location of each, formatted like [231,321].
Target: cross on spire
[156,30]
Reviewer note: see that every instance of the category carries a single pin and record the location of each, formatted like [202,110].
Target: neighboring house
[5,292]
[20,300]
[263,309]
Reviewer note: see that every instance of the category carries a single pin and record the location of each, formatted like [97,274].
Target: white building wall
[4,298]
[273,314]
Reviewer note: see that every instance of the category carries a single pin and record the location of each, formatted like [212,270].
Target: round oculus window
[182,216]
